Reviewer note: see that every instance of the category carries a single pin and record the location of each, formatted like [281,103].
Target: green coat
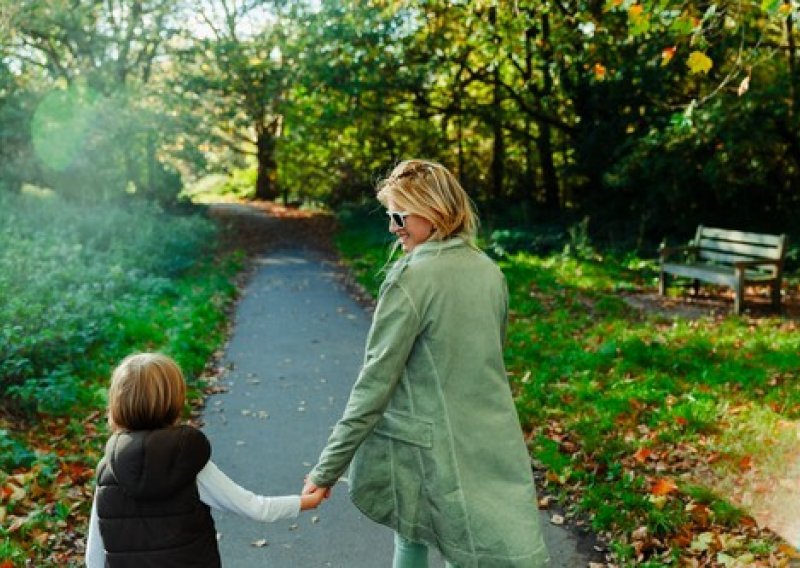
[430,427]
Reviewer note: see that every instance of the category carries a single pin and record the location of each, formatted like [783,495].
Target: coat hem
[463,558]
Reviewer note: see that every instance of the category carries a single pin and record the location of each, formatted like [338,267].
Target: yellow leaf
[699,62]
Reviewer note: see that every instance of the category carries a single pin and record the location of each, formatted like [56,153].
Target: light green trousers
[409,554]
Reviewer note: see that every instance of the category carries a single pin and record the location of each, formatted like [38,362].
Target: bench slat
[745,250]
[742,236]
[714,273]
[729,259]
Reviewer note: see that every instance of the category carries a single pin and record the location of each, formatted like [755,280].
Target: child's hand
[311,500]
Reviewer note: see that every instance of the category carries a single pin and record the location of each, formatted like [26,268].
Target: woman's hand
[313,495]
[312,499]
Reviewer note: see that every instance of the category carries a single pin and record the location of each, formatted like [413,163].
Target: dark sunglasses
[398,218]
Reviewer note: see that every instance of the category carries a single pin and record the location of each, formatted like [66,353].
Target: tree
[238,81]
[91,66]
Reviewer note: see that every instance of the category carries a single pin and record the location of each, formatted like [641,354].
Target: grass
[83,286]
[624,409]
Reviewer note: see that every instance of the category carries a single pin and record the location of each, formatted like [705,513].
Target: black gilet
[148,506]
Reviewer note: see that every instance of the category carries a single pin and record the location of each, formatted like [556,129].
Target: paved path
[295,350]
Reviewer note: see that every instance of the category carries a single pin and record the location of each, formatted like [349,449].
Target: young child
[156,482]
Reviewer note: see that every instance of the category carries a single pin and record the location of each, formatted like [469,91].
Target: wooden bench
[729,258]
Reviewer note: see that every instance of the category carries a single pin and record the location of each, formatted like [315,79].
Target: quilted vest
[148,506]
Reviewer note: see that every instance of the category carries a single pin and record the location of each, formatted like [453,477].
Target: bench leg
[662,284]
[776,294]
[738,292]
[696,286]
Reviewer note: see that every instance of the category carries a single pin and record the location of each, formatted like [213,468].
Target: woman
[430,426]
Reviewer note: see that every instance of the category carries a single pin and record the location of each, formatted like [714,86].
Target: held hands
[312,495]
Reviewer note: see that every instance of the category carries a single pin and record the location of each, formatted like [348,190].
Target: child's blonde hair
[147,392]
[429,190]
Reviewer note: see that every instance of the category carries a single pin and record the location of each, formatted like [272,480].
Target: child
[156,482]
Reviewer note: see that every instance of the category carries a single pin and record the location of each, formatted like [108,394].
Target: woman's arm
[219,491]
[394,330]
[95,550]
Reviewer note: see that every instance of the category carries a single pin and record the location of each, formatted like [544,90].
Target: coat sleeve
[395,327]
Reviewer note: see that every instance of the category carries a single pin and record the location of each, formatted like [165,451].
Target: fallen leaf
[557,520]
[789,551]
[663,486]
[260,543]
[746,463]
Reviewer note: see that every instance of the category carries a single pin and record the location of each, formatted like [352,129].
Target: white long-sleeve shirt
[216,490]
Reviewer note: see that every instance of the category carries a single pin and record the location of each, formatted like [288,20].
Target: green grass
[597,381]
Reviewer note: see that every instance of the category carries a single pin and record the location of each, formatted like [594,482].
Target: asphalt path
[295,350]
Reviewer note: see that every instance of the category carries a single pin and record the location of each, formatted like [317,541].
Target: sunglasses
[398,218]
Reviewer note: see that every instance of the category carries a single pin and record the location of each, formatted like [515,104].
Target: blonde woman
[156,482]
[430,431]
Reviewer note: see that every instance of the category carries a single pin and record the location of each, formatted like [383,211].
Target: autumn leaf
[663,486]
[746,463]
[599,71]
[699,62]
[667,54]
[784,548]
[641,455]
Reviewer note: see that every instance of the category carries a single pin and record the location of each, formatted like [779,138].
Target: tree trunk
[544,142]
[265,188]
[794,99]
[545,139]
[498,145]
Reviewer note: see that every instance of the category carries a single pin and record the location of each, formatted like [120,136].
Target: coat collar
[434,247]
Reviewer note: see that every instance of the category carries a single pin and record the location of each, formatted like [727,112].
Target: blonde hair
[429,190]
[147,392]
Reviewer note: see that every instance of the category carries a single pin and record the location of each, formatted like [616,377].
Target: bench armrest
[666,252]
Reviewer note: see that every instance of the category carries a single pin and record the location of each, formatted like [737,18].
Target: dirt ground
[716,301]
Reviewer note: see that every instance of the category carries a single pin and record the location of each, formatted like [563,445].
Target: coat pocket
[406,428]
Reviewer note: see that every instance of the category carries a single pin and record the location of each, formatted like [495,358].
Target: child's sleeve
[219,491]
[95,550]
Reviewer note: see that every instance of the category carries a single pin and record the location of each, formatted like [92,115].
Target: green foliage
[83,285]
[13,453]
